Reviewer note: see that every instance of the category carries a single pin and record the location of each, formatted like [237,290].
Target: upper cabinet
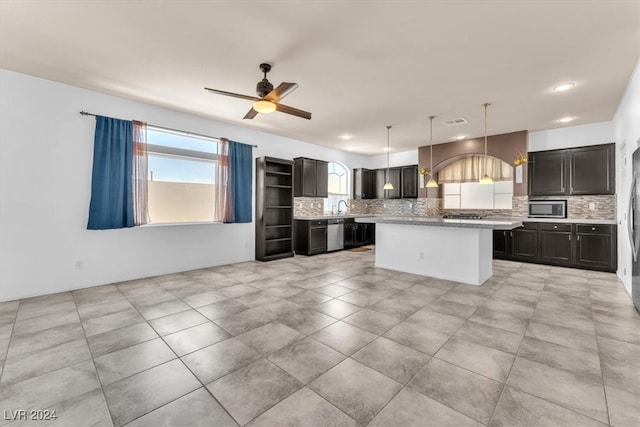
[364,184]
[410,182]
[310,177]
[575,171]
[394,176]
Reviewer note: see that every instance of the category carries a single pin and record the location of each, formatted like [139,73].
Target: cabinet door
[394,176]
[592,170]
[322,178]
[369,183]
[305,177]
[500,244]
[595,250]
[555,247]
[363,184]
[523,244]
[370,234]
[381,179]
[547,173]
[317,240]
[349,234]
[360,233]
[357,183]
[409,182]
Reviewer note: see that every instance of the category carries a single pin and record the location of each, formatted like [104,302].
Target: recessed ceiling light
[460,137]
[564,86]
[565,119]
[346,136]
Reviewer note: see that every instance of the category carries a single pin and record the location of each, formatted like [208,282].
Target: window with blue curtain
[241,159]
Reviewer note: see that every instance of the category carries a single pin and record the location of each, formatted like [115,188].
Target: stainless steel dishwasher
[335,234]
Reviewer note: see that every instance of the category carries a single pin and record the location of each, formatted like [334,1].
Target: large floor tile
[624,407]
[357,390]
[345,338]
[215,361]
[337,308]
[583,363]
[270,337]
[164,308]
[31,365]
[303,408]
[120,364]
[392,359]
[560,387]
[438,321]
[395,308]
[250,391]
[47,321]
[412,409]
[196,409]
[306,359]
[496,319]
[195,338]
[372,321]
[51,388]
[120,338]
[517,408]
[177,322]
[109,322]
[204,298]
[309,299]
[418,337]
[471,394]
[489,336]
[40,340]
[568,337]
[452,308]
[307,321]
[620,364]
[221,309]
[139,394]
[487,361]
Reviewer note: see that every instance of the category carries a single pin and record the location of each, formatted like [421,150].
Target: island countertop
[437,221]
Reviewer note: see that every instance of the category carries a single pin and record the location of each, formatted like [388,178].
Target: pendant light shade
[486,179]
[432,182]
[388,185]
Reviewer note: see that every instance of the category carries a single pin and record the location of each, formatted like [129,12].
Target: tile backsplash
[308,206]
[578,207]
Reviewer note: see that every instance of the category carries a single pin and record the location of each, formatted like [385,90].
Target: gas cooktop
[463,216]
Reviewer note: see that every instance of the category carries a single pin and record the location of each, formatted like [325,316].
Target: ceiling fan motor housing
[263,88]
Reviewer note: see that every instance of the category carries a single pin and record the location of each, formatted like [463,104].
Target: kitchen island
[453,249]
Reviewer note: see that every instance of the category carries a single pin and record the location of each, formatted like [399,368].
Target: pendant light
[486,179]
[432,182]
[388,185]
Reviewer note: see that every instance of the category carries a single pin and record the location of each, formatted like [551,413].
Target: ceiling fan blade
[235,95]
[281,91]
[250,114]
[293,111]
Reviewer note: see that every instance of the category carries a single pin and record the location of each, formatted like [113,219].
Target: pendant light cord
[486,104]
[388,149]
[431,145]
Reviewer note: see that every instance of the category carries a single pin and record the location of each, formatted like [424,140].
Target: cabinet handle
[562,189]
[593,228]
[572,189]
[511,233]
[569,236]
[578,237]
[504,233]
[555,226]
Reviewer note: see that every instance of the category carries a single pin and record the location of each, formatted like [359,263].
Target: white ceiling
[360,64]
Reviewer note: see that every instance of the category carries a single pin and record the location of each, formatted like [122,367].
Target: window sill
[171,224]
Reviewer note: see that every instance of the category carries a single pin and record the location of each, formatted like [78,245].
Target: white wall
[626,123]
[572,136]
[46,150]
[395,159]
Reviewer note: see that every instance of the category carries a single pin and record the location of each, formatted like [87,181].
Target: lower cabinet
[358,233]
[311,237]
[590,246]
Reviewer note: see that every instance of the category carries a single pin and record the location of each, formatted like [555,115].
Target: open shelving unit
[274,208]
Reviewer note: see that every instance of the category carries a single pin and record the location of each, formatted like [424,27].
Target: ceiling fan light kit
[268,99]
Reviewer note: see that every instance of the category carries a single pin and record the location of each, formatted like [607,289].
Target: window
[182,173]
[338,187]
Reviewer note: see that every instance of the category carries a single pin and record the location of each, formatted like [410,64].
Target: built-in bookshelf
[274,208]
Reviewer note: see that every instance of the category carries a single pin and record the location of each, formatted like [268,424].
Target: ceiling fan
[269,98]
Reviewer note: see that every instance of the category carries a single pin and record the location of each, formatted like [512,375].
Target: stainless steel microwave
[547,208]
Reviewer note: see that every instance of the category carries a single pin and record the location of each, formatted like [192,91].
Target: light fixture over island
[453,249]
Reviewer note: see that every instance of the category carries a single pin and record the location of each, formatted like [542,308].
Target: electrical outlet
[79,265]
[421,255]
[592,206]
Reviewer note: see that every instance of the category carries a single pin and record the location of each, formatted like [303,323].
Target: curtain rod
[84,113]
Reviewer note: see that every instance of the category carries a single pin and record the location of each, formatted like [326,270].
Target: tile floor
[327,340]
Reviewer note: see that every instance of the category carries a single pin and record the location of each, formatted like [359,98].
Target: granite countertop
[566,220]
[331,216]
[495,223]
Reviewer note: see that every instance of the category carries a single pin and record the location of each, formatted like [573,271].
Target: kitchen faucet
[345,205]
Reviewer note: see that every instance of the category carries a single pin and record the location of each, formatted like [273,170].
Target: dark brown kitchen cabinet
[590,246]
[518,244]
[349,233]
[409,182]
[358,233]
[364,184]
[311,237]
[574,171]
[596,245]
[392,175]
[592,170]
[547,173]
[556,246]
[274,209]
[311,177]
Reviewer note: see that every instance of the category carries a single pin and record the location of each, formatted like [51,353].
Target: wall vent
[455,122]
